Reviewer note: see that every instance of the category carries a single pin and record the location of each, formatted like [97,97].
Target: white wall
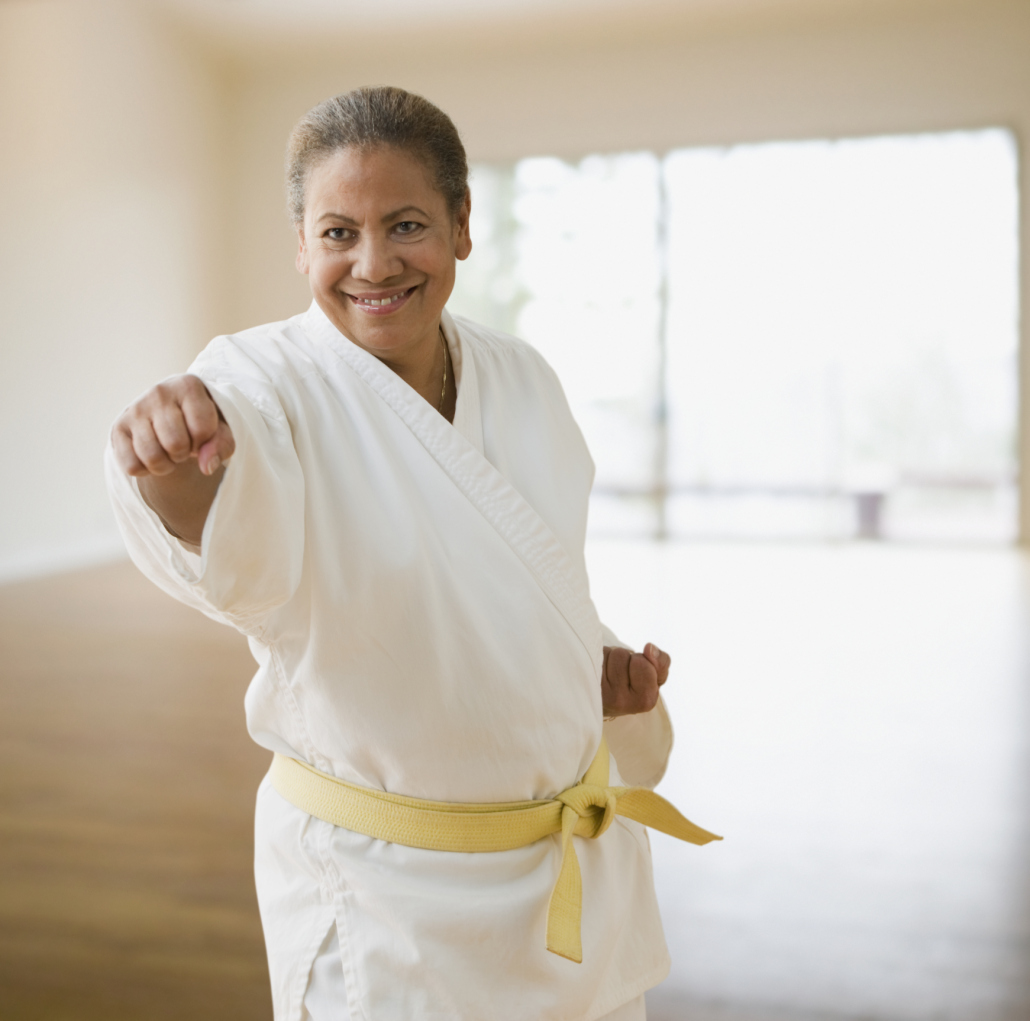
[106,207]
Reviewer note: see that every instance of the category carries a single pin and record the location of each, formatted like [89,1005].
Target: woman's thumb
[213,454]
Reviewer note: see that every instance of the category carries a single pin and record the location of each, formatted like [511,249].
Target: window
[807,339]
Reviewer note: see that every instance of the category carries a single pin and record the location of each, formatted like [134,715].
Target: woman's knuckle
[146,453]
[193,387]
[146,447]
[178,446]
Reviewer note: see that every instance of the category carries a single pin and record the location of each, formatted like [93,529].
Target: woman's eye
[337,233]
[407,227]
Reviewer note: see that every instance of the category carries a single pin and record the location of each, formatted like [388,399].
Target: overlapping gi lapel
[506,510]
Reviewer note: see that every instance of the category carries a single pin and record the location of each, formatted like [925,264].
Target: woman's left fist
[630,680]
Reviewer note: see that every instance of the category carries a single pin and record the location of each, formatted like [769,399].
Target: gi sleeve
[251,553]
[640,743]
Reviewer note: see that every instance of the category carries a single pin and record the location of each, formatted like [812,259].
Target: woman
[400,534]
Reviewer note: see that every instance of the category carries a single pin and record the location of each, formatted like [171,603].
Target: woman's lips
[382,304]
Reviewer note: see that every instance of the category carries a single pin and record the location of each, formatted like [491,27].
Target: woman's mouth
[382,302]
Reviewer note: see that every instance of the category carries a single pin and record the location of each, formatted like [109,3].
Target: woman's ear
[463,239]
[302,252]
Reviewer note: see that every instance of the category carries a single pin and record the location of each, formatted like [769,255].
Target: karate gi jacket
[416,597]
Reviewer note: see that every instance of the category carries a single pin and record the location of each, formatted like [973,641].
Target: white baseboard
[43,560]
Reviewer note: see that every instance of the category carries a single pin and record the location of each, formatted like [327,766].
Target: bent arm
[641,739]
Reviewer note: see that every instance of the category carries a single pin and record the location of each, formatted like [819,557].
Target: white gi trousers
[326,996]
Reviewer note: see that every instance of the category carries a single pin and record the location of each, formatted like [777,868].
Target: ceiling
[295,19]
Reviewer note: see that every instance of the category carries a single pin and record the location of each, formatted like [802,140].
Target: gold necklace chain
[443,389]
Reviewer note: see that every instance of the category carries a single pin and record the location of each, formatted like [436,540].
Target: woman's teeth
[380,301]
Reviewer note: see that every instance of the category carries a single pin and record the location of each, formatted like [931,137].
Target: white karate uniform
[416,597]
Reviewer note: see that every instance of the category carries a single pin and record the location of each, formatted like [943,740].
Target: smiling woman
[379,244]
[391,504]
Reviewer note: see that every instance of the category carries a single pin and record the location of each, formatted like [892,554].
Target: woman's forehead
[371,181]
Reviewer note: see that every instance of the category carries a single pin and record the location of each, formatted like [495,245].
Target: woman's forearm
[182,499]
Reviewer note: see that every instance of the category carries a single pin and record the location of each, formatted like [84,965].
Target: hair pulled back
[366,119]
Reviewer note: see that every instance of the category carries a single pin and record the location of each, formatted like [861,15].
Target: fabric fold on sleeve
[641,744]
[252,549]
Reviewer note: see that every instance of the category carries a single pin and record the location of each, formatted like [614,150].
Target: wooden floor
[855,720]
[127,785]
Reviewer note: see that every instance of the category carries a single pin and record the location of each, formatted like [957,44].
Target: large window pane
[842,336]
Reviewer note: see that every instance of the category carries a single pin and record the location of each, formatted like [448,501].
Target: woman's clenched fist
[170,424]
[630,680]
[176,442]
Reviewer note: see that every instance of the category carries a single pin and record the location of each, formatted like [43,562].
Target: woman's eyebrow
[386,218]
[337,216]
[403,210]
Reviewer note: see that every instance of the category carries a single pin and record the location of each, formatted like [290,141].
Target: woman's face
[379,245]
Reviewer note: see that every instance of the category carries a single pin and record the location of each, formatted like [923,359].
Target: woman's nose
[373,260]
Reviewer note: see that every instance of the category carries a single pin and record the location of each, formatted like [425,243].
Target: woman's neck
[430,375]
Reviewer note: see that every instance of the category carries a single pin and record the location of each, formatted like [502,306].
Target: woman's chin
[386,337]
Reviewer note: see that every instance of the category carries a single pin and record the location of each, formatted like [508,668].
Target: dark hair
[370,117]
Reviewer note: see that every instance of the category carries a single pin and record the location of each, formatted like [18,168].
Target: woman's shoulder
[486,338]
[261,362]
[495,349]
[258,350]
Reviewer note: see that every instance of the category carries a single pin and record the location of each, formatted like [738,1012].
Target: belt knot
[593,804]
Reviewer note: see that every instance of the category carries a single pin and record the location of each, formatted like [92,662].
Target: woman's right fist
[171,423]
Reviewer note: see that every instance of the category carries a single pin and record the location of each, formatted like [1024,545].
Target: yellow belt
[586,810]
